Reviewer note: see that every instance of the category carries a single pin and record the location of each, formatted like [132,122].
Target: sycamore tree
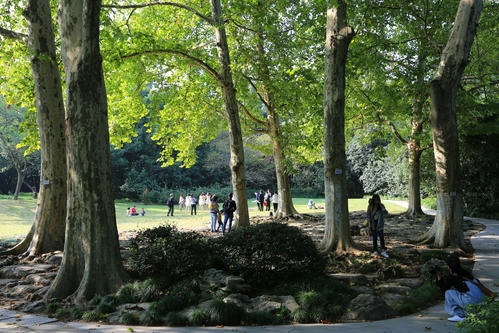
[447,229]
[47,133]
[396,51]
[339,34]
[179,44]
[275,77]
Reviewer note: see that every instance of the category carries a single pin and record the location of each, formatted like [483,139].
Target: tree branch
[164,3]
[395,132]
[14,35]
[200,63]
[260,97]
[250,115]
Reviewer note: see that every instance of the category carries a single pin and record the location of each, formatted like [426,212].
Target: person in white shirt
[275,201]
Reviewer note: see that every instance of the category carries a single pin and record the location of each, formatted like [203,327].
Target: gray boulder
[37,279]
[411,283]
[241,300]
[236,284]
[56,258]
[393,300]
[394,288]
[19,271]
[271,303]
[368,307]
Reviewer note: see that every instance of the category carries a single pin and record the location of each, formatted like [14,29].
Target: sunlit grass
[16,217]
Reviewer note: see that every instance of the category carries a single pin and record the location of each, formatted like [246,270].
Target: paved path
[486,244]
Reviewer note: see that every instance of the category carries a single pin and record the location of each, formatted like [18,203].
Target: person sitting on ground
[376,212]
[311,204]
[142,212]
[128,212]
[460,289]
[133,211]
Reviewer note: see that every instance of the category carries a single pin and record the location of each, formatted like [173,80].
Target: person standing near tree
[376,212]
[214,211]
[171,204]
[268,199]
[193,205]
[261,199]
[181,202]
[229,207]
[275,201]
[202,201]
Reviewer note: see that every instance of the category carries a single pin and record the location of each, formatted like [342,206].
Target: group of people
[264,200]
[133,211]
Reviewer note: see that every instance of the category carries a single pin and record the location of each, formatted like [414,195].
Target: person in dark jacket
[261,199]
[376,212]
[229,207]
[460,289]
[171,204]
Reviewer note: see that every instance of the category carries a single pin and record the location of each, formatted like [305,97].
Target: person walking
[171,204]
[275,201]
[214,211]
[229,207]
[181,202]
[376,212]
[202,201]
[261,199]
[193,205]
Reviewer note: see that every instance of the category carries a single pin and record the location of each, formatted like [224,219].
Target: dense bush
[482,318]
[269,253]
[164,251]
[419,298]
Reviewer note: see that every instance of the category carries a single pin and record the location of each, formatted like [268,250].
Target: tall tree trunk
[338,36]
[285,206]
[231,107]
[447,227]
[50,217]
[414,179]
[20,180]
[92,263]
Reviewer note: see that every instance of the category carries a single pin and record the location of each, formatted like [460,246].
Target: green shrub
[105,307]
[175,319]
[148,290]
[198,317]
[151,317]
[76,313]
[269,253]
[437,254]
[96,300]
[319,298]
[63,313]
[418,298]
[224,313]
[91,316]
[127,294]
[52,307]
[173,255]
[482,318]
[128,318]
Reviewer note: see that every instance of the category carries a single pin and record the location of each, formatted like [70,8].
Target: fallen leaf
[219,326]
[420,315]
[427,328]
[130,329]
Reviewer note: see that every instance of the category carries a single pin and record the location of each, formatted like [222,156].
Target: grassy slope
[16,217]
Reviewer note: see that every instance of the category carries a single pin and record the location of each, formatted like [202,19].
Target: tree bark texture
[20,180]
[50,217]
[414,181]
[338,36]
[92,263]
[447,227]
[234,124]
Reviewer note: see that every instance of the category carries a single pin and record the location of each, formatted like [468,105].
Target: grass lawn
[16,217]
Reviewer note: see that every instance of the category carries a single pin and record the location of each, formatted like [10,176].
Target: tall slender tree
[47,231]
[91,264]
[338,37]
[447,228]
